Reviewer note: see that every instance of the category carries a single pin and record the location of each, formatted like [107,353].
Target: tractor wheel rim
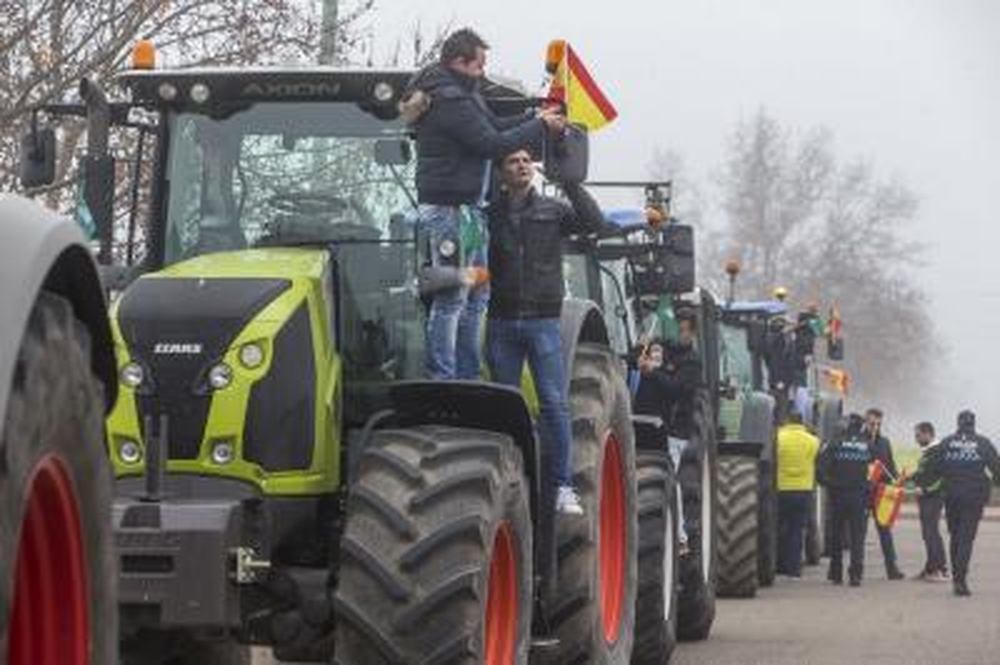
[502,600]
[612,539]
[50,622]
[669,561]
[707,492]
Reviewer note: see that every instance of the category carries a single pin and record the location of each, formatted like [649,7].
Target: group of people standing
[952,476]
[494,242]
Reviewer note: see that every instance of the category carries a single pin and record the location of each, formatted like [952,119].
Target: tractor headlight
[167,91]
[223,452]
[129,452]
[252,355]
[132,375]
[200,93]
[220,376]
[383,91]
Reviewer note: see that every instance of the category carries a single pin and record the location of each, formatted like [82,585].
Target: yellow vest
[797,450]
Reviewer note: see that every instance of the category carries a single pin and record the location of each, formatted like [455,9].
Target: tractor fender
[757,423]
[581,321]
[43,250]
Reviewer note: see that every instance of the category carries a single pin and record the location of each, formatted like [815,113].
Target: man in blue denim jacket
[457,137]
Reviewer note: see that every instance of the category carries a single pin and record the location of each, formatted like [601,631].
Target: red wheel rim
[612,539]
[502,601]
[50,624]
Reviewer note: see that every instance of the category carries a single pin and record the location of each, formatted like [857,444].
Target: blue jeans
[457,238]
[508,344]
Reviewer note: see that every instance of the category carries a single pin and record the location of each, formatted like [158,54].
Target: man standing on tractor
[960,462]
[884,464]
[670,375]
[526,231]
[457,137]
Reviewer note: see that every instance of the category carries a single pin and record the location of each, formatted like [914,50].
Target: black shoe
[836,578]
[855,581]
[961,588]
[895,573]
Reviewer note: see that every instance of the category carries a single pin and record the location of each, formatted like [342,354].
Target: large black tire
[698,476]
[739,484]
[55,498]
[767,526]
[431,513]
[172,648]
[656,601]
[602,439]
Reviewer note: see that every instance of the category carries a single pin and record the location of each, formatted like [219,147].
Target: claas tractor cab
[641,269]
[283,475]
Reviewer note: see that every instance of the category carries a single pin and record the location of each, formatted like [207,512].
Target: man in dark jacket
[669,377]
[457,136]
[882,457]
[842,468]
[960,463]
[930,503]
[526,295]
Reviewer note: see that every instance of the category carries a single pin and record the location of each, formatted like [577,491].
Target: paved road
[883,623]
[811,622]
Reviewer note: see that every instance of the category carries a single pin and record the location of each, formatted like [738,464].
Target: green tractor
[748,499]
[283,477]
[638,271]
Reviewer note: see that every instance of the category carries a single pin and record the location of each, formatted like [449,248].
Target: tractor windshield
[283,173]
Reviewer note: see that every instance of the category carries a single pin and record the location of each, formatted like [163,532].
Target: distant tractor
[283,477]
[644,264]
[57,380]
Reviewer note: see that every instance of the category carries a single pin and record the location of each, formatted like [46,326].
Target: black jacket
[526,280]
[668,392]
[961,460]
[882,451]
[457,135]
[843,465]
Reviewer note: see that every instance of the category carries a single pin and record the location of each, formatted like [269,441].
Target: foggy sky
[913,86]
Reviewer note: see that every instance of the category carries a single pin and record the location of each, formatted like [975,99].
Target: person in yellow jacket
[797,451]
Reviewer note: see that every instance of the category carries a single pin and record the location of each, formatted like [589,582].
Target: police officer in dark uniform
[843,469]
[960,462]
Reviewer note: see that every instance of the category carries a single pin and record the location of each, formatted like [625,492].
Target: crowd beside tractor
[313,445]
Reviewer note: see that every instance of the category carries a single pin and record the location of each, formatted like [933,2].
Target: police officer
[960,462]
[843,469]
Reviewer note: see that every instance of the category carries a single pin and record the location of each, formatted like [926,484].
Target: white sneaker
[568,502]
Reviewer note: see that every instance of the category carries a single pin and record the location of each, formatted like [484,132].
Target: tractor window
[735,361]
[281,173]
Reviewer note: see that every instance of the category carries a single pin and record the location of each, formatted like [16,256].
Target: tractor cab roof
[766,308]
[205,88]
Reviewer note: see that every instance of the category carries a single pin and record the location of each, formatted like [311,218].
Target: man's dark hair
[926,428]
[687,314]
[874,411]
[794,417]
[462,44]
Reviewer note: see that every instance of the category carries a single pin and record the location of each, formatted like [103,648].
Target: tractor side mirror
[38,157]
[671,269]
[567,156]
[394,152]
[835,348]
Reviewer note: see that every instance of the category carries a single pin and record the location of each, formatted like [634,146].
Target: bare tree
[47,46]
[833,234]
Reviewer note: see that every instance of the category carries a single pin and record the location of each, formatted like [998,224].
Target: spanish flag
[573,86]
[888,499]
[839,379]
